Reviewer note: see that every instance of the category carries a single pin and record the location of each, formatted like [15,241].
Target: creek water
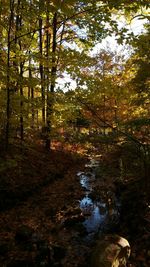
[99,215]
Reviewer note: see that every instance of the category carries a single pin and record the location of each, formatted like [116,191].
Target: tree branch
[129,136]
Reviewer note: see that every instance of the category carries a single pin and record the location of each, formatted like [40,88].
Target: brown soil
[40,219]
[39,195]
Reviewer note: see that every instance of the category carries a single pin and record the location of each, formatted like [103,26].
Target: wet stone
[80,228]
[73,219]
[73,211]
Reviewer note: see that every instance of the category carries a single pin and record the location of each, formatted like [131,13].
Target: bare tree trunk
[33,112]
[8,108]
[41,68]
[104,115]
[21,104]
[31,95]
[48,107]
[30,87]
[21,89]
[50,91]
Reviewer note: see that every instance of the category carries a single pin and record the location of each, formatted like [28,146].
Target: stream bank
[49,228]
[99,205]
[117,206]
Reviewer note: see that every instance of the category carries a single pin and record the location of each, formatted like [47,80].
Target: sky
[136,26]
[109,43]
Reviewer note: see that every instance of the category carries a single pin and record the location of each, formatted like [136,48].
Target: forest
[74,133]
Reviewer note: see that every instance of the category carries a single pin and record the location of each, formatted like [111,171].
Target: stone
[59,252]
[20,263]
[4,248]
[112,251]
[23,233]
[148,253]
[71,221]
[73,211]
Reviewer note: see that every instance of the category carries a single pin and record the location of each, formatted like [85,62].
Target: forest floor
[40,219]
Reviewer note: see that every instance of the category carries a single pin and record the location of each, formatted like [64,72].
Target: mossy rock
[112,251]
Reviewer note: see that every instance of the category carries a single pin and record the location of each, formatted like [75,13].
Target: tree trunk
[21,104]
[31,95]
[21,90]
[8,108]
[50,91]
[41,68]
[104,115]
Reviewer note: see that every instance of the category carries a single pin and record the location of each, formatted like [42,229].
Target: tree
[42,41]
[8,88]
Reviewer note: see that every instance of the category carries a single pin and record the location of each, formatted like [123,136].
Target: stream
[100,215]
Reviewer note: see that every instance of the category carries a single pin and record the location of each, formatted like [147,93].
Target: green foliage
[138,123]
[141,60]
[30,65]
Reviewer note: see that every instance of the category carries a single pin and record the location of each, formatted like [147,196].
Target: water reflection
[86,202]
[84,181]
[98,214]
[93,222]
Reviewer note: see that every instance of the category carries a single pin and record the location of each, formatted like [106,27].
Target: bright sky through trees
[109,43]
[51,45]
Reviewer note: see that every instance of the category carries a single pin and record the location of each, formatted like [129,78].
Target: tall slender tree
[41,65]
[46,40]
[8,87]
[52,75]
